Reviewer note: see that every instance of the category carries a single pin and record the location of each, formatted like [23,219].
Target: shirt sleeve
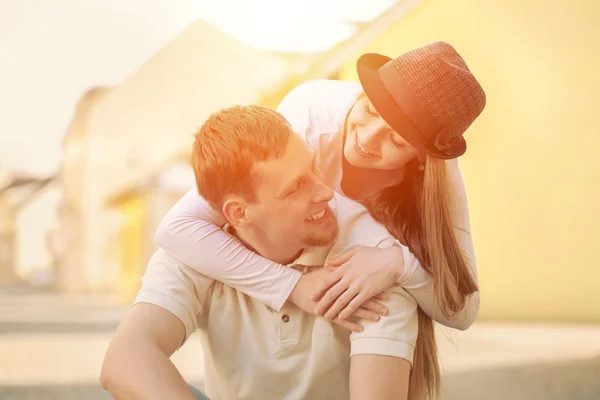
[176,288]
[395,334]
[190,232]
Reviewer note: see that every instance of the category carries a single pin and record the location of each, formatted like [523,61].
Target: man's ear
[235,212]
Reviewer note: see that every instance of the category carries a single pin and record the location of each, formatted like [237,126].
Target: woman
[383,143]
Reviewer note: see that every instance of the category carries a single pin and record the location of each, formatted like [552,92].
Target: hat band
[404,96]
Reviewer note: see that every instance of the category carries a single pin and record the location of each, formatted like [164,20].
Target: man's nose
[322,191]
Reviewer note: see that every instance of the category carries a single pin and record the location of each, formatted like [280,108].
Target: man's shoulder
[161,257]
[172,286]
[164,266]
[344,207]
[357,226]
[161,260]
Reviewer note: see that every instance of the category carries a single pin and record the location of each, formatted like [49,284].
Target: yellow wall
[130,247]
[532,168]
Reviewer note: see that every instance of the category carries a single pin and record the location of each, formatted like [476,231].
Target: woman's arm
[363,272]
[191,233]
[419,284]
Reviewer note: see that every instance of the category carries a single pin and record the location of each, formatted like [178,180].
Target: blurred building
[128,144]
[28,208]
[36,220]
[7,237]
[67,240]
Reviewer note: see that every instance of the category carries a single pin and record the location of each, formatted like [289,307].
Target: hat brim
[368,73]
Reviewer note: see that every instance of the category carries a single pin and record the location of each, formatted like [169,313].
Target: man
[250,165]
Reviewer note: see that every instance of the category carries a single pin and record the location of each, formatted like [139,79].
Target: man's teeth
[317,216]
[360,146]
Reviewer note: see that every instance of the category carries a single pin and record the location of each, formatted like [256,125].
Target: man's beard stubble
[324,236]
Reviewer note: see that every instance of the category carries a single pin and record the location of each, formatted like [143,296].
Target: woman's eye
[371,111]
[396,144]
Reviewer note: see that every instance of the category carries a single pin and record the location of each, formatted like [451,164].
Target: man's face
[292,210]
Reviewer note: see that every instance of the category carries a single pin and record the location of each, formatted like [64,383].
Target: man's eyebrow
[287,187]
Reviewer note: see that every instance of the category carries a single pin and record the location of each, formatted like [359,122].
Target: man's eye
[296,187]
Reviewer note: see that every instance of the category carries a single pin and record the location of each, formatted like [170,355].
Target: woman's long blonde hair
[417,212]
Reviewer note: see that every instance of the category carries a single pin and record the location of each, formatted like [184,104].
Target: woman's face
[371,142]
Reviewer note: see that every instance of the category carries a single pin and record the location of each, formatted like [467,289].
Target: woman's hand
[300,296]
[360,274]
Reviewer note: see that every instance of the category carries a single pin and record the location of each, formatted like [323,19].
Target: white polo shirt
[254,352]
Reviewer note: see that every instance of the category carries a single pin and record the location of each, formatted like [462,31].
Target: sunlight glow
[306,26]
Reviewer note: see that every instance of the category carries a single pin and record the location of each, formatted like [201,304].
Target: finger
[381,296]
[330,296]
[342,301]
[342,258]
[352,326]
[375,306]
[363,313]
[326,285]
[353,305]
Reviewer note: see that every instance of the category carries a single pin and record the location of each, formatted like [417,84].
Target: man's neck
[275,253]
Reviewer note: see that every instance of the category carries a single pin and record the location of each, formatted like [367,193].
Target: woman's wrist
[397,252]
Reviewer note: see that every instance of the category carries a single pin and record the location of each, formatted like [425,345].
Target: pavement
[52,346]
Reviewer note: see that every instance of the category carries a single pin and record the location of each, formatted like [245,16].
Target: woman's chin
[354,159]
[358,161]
